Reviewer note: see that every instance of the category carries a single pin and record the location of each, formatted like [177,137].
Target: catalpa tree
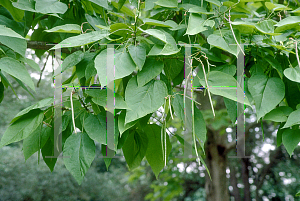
[129,59]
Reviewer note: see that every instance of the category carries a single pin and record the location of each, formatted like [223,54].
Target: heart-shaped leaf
[292,74]
[79,152]
[266,92]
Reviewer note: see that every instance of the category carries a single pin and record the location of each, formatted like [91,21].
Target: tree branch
[274,156]
[39,45]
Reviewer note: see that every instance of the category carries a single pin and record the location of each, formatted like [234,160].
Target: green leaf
[67,28]
[290,139]
[50,6]
[275,7]
[138,55]
[22,128]
[42,103]
[170,46]
[24,5]
[279,114]
[79,152]
[120,29]
[134,148]
[151,69]
[72,60]
[95,126]
[121,3]
[216,80]
[123,65]
[173,67]
[293,119]
[6,83]
[48,154]
[12,24]
[82,65]
[12,40]
[274,63]
[96,22]
[297,194]
[266,27]
[218,41]
[290,22]
[119,101]
[82,39]
[244,26]
[102,3]
[124,9]
[35,141]
[121,123]
[178,106]
[154,153]
[107,161]
[198,9]
[228,69]
[231,107]
[168,49]
[197,24]
[296,10]
[215,2]
[16,69]
[149,4]
[266,92]
[279,135]
[22,85]
[167,3]
[168,23]
[1,91]
[66,118]
[143,100]
[292,74]
[31,63]
[156,33]
[15,12]
[199,126]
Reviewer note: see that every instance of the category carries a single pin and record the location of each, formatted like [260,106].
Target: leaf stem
[234,34]
[135,21]
[297,56]
[209,96]
[170,107]
[194,135]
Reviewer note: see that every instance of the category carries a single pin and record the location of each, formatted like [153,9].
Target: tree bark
[245,177]
[216,161]
[233,183]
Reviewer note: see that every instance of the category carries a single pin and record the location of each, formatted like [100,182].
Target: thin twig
[82,102]
[47,124]
[41,74]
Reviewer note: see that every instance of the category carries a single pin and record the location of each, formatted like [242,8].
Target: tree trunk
[216,161]
[245,177]
[234,183]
